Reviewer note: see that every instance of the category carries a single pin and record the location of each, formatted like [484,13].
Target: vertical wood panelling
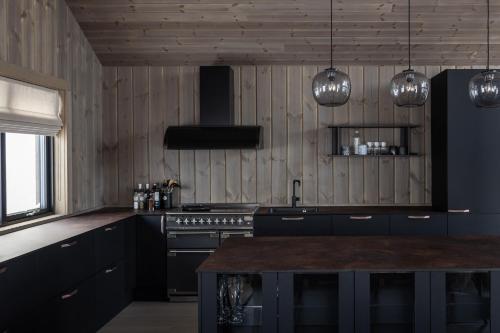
[141,128]
[296,139]
[264,155]
[125,115]
[309,157]
[294,128]
[233,156]
[43,35]
[279,135]
[186,117]
[248,117]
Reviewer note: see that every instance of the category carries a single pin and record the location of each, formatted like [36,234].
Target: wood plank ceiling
[175,32]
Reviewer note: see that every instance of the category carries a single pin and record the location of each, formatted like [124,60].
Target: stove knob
[231,220]
[201,221]
[224,220]
[186,221]
[240,221]
[193,220]
[216,221]
[178,221]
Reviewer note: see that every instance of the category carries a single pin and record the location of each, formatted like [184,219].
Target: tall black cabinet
[465,147]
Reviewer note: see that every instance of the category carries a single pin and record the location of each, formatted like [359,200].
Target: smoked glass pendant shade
[331,87]
[484,89]
[409,88]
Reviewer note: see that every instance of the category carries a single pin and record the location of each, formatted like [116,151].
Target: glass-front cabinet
[239,303]
[316,303]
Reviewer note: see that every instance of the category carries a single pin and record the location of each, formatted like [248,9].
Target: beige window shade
[27,108]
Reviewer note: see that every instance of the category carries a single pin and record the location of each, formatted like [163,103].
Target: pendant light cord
[488,36]
[331,33]
[409,37]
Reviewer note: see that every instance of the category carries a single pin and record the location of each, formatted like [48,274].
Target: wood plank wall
[140,102]
[43,35]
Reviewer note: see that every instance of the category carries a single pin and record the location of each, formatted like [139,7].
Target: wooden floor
[145,317]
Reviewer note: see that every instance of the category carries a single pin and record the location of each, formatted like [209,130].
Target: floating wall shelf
[405,138]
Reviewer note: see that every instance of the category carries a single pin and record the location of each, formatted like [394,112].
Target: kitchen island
[352,284]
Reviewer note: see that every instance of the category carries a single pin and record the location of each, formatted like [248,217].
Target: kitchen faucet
[294,197]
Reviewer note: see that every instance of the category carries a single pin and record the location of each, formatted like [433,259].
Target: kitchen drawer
[473,224]
[110,293]
[192,239]
[419,224]
[64,265]
[18,290]
[361,225]
[109,244]
[293,225]
[71,311]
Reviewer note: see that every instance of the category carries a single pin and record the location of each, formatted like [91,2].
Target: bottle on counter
[156,196]
[142,206]
[136,199]
[356,142]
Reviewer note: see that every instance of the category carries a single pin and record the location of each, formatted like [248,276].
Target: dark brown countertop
[24,241]
[355,253]
[350,210]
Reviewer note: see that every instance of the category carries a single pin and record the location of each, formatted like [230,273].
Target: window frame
[48,177]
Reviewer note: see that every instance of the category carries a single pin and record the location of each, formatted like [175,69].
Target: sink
[293,210]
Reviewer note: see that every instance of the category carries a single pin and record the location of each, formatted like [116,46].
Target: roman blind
[27,108]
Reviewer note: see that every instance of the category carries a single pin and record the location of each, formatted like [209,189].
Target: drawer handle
[298,218]
[229,234]
[419,217]
[173,234]
[110,228]
[459,211]
[71,294]
[173,253]
[110,270]
[360,218]
[4,269]
[68,244]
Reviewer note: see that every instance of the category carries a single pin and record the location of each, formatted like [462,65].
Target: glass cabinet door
[392,302]
[468,302]
[239,303]
[316,303]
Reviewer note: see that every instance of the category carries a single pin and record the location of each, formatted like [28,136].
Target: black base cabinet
[350,302]
[293,225]
[473,224]
[77,285]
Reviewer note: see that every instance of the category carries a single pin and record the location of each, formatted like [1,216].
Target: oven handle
[173,253]
[226,234]
[173,234]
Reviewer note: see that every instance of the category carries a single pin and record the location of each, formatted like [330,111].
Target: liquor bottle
[136,199]
[356,142]
[156,196]
[141,197]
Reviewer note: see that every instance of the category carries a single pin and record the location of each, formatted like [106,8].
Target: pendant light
[484,87]
[409,88]
[331,87]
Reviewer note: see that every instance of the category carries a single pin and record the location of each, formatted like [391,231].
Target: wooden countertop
[355,253]
[24,241]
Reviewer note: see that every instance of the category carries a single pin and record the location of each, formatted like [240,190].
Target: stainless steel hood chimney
[216,129]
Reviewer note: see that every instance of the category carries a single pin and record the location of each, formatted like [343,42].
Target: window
[26,176]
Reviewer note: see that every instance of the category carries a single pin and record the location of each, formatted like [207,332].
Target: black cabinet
[62,266]
[293,225]
[419,224]
[464,147]
[361,225]
[109,244]
[18,290]
[71,311]
[110,293]
[473,224]
[130,257]
[151,258]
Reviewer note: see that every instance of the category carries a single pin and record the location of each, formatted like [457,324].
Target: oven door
[182,279]
[192,239]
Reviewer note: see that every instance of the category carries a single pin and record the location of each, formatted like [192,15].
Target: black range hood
[216,129]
